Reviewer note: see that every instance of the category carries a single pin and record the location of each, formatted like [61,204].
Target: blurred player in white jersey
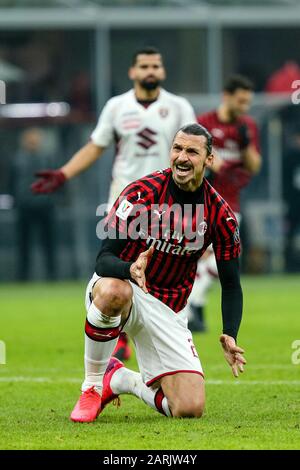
[142,122]
[237,159]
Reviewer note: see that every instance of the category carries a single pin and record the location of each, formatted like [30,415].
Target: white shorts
[163,342]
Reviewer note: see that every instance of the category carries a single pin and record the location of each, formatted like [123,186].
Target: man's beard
[149,85]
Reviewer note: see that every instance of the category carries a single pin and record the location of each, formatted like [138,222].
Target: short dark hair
[235,82]
[148,50]
[197,129]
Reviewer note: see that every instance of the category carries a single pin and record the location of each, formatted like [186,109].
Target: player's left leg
[180,395]
[119,380]
[185,393]
[164,347]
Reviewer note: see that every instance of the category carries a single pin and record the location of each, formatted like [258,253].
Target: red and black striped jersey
[227,143]
[180,225]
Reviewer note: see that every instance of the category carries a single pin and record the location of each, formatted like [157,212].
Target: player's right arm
[83,159]
[109,263]
[117,229]
[50,180]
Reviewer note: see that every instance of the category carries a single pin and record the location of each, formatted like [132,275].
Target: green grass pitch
[42,327]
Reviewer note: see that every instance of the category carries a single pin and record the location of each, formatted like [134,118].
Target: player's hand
[138,268]
[244,136]
[218,163]
[233,354]
[48,182]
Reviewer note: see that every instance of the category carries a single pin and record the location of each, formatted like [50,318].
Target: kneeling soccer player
[142,283]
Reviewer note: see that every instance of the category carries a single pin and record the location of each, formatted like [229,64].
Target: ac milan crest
[202,228]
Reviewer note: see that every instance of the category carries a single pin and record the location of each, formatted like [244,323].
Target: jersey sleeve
[129,206]
[226,238]
[104,131]
[204,120]
[109,263]
[187,113]
[254,135]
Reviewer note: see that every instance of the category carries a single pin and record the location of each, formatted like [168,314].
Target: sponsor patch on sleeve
[236,236]
[124,209]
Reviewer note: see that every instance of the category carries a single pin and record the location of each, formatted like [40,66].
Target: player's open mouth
[182,170]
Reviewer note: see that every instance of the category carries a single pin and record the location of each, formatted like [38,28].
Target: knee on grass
[184,408]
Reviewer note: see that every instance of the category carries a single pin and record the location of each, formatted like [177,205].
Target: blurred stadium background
[69,56]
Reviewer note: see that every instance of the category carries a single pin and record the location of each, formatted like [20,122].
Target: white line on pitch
[208,368]
[208,382]
[39,379]
[253,382]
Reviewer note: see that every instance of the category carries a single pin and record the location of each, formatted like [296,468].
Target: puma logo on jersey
[159,214]
[202,228]
[103,335]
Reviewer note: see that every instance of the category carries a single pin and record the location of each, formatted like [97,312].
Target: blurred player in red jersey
[237,159]
[142,123]
[144,274]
